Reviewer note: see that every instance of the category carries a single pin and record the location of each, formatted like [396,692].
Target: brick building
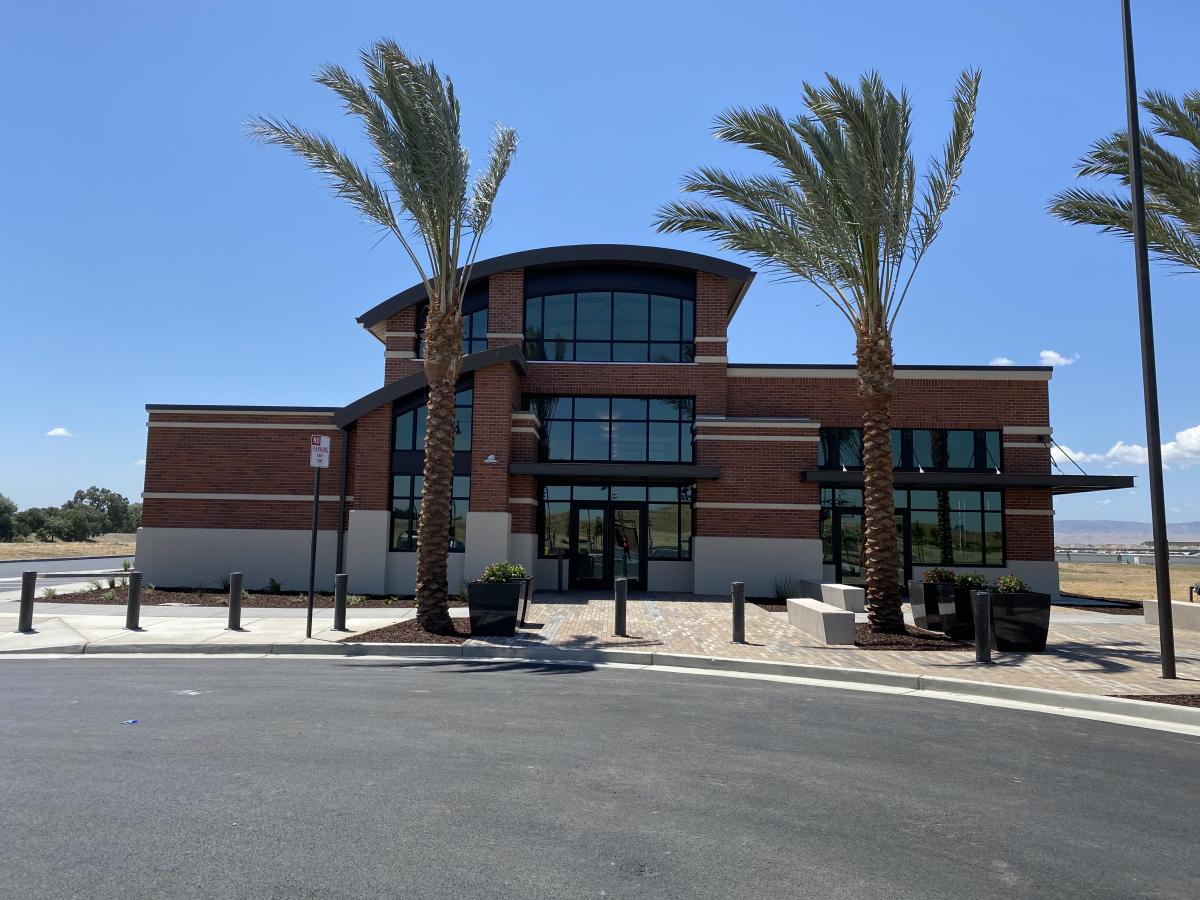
[602,432]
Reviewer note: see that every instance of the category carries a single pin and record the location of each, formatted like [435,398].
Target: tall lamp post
[1158,512]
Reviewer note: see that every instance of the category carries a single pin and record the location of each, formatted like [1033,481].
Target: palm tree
[1172,184]
[412,118]
[843,211]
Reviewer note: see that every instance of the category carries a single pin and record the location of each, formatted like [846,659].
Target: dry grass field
[1122,582]
[105,545]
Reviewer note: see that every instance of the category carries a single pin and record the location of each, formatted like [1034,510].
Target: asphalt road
[290,779]
[11,569]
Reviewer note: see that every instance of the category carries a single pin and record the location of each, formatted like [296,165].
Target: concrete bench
[826,623]
[1184,616]
[843,596]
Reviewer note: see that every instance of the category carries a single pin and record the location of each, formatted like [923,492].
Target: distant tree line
[86,515]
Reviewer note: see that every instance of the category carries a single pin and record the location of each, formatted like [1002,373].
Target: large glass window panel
[665,319]
[991,500]
[665,494]
[627,492]
[922,448]
[664,441]
[665,353]
[404,431]
[689,320]
[421,414]
[964,499]
[462,428]
[663,527]
[557,437]
[960,449]
[590,351]
[628,408]
[631,320]
[685,527]
[992,446]
[967,531]
[458,524]
[628,441]
[592,408]
[556,523]
[559,317]
[590,440]
[922,499]
[623,352]
[593,317]
[993,538]
[923,536]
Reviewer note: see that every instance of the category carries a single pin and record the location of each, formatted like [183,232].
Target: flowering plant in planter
[972,581]
[1011,584]
[502,571]
[939,576]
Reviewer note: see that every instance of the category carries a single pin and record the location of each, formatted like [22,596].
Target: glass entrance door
[608,541]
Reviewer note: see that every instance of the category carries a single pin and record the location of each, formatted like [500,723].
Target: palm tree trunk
[443,351]
[941,460]
[876,380]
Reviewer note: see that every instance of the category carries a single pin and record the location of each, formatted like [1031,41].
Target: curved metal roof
[663,257]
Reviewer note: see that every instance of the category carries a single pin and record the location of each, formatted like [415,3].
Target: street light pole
[1158,512]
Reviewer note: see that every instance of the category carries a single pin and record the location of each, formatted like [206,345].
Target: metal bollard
[737,591]
[561,555]
[621,596]
[25,611]
[981,608]
[133,602]
[339,601]
[235,602]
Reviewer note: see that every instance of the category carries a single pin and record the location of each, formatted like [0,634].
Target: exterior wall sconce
[491,460]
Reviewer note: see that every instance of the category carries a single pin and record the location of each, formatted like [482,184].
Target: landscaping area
[1118,581]
[104,545]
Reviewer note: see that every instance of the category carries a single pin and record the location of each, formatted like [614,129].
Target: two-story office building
[603,432]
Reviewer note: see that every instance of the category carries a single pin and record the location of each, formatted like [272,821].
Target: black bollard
[621,596]
[25,611]
[133,602]
[339,601]
[737,591]
[235,602]
[561,556]
[981,608]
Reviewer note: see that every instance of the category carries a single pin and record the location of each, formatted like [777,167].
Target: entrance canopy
[1058,484]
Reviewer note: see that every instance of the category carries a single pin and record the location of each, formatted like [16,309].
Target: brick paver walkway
[1117,658]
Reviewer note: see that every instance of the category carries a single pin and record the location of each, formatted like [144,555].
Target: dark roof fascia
[352,412]
[231,407]
[617,471]
[576,253]
[849,366]
[1059,484]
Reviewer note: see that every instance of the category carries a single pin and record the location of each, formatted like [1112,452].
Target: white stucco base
[367,551]
[487,541]
[664,575]
[1040,575]
[545,574]
[522,549]
[203,557]
[719,561]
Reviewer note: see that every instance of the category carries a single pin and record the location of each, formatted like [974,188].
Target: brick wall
[491,434]
[506,306]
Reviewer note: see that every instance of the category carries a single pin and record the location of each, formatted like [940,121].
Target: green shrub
[355,599]
[1010,584]
[785,586]
[502,571]
[273,586]
[972,580]
[110,596]
[939,576]
[95,584]
[49,594]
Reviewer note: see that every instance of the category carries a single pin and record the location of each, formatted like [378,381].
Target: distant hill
[1108,531]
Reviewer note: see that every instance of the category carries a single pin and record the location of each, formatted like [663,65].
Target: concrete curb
[927,684]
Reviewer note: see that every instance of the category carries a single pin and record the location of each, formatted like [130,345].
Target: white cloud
[139,462]
[59,432]
[1183,452]
[1104,502]
[1054,358]
[1001,361]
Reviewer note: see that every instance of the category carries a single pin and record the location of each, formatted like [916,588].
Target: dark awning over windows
[1059,484]
[581,472]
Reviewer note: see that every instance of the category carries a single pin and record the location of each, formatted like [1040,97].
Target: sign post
[318,459]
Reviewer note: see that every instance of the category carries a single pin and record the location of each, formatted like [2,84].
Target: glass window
[556,522]
[668,516]
[407,493]
[603,326]
[915,448]
[960,449]
[621,429]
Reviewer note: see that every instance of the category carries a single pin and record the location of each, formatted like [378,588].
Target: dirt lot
[105,545]
[1122,582]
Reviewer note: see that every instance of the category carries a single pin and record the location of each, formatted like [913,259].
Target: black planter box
[492,606]
[1020,622]
[959,621]
[931,603]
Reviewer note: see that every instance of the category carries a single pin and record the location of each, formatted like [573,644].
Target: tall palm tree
[1172,183]
[842,210]
[412,118]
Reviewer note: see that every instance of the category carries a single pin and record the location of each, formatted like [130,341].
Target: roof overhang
[739,276]
[1058,484]
[352,412]
[660,473]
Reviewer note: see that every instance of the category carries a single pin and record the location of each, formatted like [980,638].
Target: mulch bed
[410,632]
[250,600]
[914,639]
[771,605]
[1192,700]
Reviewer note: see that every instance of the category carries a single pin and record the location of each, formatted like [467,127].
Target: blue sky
[150,253]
